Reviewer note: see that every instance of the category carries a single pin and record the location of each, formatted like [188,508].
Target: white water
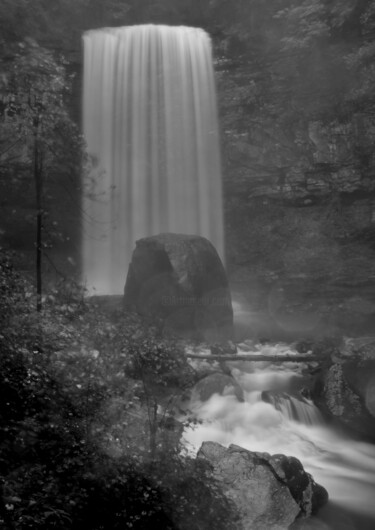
[150,122]
[345,467]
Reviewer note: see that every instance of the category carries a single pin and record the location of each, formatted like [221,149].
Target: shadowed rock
[180,280]
[218,383]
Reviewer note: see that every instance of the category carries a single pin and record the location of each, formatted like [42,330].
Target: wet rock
[244,347]
[360,376]
[304,346]
[309,495]
[269,492]
[361,347]
[358,366]
[218,383]
[180,280]
[346,390]
[226,348]
[341,400]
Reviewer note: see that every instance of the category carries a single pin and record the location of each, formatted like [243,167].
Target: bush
[86,401]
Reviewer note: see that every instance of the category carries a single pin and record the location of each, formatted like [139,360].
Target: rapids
[295,427]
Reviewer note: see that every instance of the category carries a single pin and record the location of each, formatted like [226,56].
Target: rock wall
[305,159]
[300,220]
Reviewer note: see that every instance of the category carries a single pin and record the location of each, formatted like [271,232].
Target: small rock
[225,348]
[218,383]
[242,346]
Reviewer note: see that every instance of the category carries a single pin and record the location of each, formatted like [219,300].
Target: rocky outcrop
[341,401]
[300,211]
[180,280]
[346,387]
[269,492]
[306,162]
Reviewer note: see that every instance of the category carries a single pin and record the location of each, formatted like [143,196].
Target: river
[292,426]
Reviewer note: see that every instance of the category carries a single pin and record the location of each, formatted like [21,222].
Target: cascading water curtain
[151,127]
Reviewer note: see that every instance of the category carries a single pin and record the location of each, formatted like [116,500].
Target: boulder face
[180,280]
[267,491]
[345,388]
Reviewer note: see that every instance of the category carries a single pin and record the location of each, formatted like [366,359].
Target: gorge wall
[300,221]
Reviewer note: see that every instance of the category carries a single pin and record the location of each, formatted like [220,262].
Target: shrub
[86,401]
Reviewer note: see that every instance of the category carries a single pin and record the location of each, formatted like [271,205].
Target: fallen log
[252,357]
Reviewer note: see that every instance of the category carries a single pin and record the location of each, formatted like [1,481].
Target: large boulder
[269,492]
[180,280]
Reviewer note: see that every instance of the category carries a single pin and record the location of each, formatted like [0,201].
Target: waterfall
[299,409]
[150,123]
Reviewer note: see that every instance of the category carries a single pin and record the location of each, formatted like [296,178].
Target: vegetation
[88,438]
[287,63]
[38,137]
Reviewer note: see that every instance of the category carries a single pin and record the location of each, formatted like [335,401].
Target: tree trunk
[39,216]
[153,419]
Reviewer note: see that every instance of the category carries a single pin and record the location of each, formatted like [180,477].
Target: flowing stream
[150,123]
[272,419]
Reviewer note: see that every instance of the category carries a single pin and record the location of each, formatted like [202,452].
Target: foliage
[304,24]
[38,139]
[293,61]
[37,18]
[75,385]
[33,96]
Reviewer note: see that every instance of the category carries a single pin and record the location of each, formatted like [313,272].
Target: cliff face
[300,218]
[305,161]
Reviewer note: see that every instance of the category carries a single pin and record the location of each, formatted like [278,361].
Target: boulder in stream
[180,280]
[218,383]
[269,492]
